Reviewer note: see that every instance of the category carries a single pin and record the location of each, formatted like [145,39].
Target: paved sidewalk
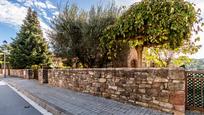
[74,103]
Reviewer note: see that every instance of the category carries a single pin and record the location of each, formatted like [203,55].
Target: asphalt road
[12,104]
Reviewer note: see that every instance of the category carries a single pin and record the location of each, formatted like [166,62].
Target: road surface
[13,104]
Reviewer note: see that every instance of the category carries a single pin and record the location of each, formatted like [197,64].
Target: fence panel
[195,90]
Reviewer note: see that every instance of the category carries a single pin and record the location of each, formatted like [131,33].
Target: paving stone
[78,103]
[194,113]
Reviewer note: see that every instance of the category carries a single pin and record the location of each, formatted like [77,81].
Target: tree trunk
[139,50]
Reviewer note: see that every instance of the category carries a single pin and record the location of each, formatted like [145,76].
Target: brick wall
[162,89]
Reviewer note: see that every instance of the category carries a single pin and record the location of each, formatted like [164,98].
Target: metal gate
[195,90]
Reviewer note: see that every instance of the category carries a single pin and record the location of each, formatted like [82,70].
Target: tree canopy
[29,47]
[151,23]
[76,34]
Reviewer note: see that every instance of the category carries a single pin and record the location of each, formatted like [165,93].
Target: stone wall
[22,73]
[6,71]
[162,89]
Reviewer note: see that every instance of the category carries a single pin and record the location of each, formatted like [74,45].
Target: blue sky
[13,12]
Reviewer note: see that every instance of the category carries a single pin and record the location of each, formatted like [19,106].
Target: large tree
[29,47]
[152,23]
[76,33]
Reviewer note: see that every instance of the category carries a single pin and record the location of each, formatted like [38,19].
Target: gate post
[186,89]
[177,89]
[43,76]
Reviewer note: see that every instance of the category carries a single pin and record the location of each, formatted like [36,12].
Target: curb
[55,110]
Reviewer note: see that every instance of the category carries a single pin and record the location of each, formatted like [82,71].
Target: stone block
[102,80]
[152,92]
[141,90]
[176,86]
[120,89]
[166,105]
[168,110]
[142,85]
[108,76]
[146,98]
[151,105]
[131,101]
[156,85]
[177,81]
[150,80]
[176,74]
[90,72]
[123,97]
[164,96]
[142,104]
[116,80]
[113,96]
[113,87]
[159,79]
[177,98]
[117,92]
[164,99]
[130,82]
[155,102]
[180,108]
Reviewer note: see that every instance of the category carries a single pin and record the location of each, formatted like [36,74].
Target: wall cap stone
[118,69]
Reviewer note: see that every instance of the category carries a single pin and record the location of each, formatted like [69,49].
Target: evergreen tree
[29,47]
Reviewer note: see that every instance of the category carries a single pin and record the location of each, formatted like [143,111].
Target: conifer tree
[29,47]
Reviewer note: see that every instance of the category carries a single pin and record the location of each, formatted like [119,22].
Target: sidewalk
[63,101]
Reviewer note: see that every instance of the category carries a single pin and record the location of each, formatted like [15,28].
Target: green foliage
[76,34]
[164,56]
[155,56]
[29,47]
[152,23]
[182,60]
[35,67]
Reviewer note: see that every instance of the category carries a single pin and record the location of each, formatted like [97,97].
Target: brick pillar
[30,74]
[177,88]
[50,75]
[43,76]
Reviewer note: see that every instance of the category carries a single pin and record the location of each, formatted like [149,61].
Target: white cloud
[50,5]
[14,13]
[11,13]
[125,2]
[40,4]
[26,3]
[43,13]
[56,13]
